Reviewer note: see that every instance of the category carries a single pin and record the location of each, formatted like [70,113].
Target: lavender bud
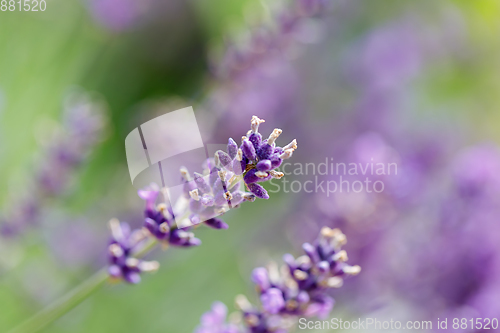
[151,225]
[256,140]
[194,194]
[196,206]
[218,186]
[214,176]
[187,187]
[239,167]
[132,277]
[249,197]
[275,161]
[201,183]
[232,148]
[237,198]
[220,198]
[183,238]
[286,154]
[224,159]
[216,223]
[264,165]
[260,278]
[149,194]
[195,219]
[255,122]
[272,300]
[248,150]
[255,176]
[258,190]
[265,151]
[114,271]
[207,200]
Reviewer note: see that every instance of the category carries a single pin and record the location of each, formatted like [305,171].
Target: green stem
[63,304]
[67,302]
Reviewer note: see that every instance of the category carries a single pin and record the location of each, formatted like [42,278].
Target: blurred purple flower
[214,321]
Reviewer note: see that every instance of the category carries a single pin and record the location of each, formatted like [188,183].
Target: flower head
[214,321]
[256,159]
[122,247]
[205,197]
[298,288]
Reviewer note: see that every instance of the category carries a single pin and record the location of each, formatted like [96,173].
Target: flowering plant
[297,288]
[205,197]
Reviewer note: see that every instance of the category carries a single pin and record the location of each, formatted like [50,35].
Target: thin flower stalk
[206,197]
[203,195]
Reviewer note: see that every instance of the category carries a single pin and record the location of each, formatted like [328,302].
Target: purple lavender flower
[238,60]
[299,288]
[257,159]
[123,245]
[206,195]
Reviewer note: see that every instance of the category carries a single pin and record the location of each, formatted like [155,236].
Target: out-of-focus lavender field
[394,106]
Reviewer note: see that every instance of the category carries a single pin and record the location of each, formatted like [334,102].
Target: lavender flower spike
[297,289]
[256,159]
[206,196]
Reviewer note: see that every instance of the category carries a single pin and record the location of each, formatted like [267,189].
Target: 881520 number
[23,5]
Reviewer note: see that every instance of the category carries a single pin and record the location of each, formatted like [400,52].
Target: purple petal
[132,277]
[258,190]
[149,194]
[248,150]
[202,184]
[115,271]
[225,160]
[265,151]
[232,148]
[272,300]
